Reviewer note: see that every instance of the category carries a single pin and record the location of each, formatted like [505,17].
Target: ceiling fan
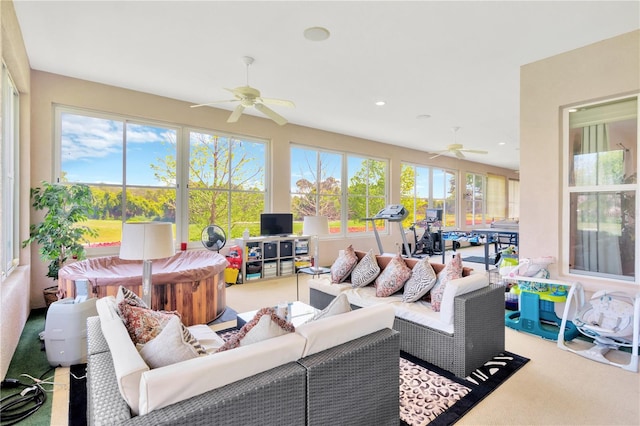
[456,148]
[250,97]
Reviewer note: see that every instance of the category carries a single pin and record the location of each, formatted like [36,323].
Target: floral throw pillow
[365,271]
[265,324]
[422,279]
[144,324]
[392,277]
[344,264]
[130,297]
[451,271]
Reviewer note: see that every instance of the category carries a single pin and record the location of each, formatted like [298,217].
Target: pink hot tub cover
[184,266]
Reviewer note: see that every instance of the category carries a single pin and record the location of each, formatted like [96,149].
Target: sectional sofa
[466,332]
[342,369]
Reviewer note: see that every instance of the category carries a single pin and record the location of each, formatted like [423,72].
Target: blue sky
[92,150]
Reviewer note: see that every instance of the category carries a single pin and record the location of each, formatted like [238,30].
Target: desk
[310,271]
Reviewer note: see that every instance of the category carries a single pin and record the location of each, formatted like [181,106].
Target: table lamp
[315,226]
[146,241]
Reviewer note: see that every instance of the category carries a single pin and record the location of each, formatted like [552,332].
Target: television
[434,215]
[276,224]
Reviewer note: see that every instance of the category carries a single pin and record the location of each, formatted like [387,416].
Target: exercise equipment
[611,319]
[391,213]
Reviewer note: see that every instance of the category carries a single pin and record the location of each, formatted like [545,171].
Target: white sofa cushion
[325,285]
[167,385]
[421,313]
[366,296]
[127,362]
[338,329]
[457,287]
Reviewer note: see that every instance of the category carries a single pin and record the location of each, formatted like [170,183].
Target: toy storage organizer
[536,301]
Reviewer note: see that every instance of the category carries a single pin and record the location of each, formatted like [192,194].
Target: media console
[273,256]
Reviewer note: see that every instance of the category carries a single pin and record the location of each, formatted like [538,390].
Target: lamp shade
[315,225]
[146,240]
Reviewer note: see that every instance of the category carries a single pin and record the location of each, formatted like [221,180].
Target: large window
[425,187]
[474,200]
[129,166]
[227,183]
[514,199]
[147,171]
[345,188]
[9,148]
[496,197]
[601,188]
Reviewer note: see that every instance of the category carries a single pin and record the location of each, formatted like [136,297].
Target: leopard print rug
[424,394]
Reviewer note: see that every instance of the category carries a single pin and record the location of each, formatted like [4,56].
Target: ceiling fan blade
[280,102]
[437,155]
[474,151]
[215,102]
[271,114]
[459,154]
[235,115]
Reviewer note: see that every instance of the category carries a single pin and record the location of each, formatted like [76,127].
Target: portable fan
[213,237]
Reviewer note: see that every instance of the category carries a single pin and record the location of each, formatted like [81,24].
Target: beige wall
[602,70]
[15,290]
[50,89]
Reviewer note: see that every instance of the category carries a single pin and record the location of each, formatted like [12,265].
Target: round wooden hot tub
[190,282]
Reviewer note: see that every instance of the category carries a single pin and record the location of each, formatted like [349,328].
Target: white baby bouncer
[611,319]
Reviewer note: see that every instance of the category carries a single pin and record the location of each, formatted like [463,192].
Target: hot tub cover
[184,266]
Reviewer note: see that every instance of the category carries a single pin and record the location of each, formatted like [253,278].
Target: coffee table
[300,313]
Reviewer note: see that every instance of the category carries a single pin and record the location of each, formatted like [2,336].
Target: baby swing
[611,319]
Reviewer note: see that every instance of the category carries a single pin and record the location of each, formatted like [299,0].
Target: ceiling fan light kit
[248,97]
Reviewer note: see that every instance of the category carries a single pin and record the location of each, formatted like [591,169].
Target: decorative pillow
[365,271]
[339,305]
[451,271]
[264,325]
[344,264]
[124,294]
[174,344]
[144,324]
[393,277]
[422,279]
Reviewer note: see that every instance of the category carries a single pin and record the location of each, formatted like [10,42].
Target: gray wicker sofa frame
[354,383]
[478,331]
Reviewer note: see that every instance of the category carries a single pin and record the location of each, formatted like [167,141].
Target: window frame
[431,199]
[483,220]
[344,185]
[182,152]
[569,188]
[10,175]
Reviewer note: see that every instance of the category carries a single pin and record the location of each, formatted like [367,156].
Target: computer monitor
[434,215]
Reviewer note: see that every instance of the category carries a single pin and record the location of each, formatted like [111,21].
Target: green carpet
[30,358]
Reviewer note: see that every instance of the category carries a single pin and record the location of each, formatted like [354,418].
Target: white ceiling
[458,62]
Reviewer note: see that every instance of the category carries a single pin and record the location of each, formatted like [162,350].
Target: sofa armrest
[355,383]
[478,326]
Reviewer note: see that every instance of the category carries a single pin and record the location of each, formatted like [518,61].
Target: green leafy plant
[59,233]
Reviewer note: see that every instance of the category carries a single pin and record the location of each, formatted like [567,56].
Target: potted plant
[59,234]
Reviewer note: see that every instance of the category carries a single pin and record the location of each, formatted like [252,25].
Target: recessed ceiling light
[316,33]
[380,103]
[423,116]
[501,143]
